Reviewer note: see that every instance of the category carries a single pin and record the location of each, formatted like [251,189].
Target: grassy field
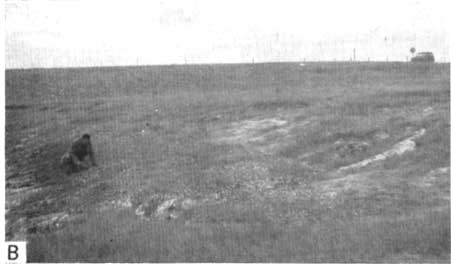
[245,162]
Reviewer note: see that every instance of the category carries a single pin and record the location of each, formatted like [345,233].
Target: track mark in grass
[398,149]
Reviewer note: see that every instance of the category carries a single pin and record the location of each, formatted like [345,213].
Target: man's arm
[76,161]
[91,156]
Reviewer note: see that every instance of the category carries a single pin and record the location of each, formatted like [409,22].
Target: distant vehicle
[423,57]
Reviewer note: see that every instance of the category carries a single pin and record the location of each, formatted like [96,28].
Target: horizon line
[213,63]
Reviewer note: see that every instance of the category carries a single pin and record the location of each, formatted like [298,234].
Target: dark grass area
[239,235]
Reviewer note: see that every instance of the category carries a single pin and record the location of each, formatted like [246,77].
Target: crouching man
[79,155]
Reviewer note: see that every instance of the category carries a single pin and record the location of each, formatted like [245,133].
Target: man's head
[86,137]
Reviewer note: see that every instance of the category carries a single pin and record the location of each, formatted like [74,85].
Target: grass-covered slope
[255,162]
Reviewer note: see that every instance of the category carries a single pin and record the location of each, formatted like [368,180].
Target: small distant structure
[423,57]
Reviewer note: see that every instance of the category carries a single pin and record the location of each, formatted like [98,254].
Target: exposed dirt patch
[124,202]
[48,222]
[434,178]
[398,149]
[260,135]
[161,207]
[252,130]
[16,196]
[362,183]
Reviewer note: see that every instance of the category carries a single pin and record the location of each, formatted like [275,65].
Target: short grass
[153,132]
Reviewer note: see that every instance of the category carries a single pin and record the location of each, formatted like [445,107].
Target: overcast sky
[95,33]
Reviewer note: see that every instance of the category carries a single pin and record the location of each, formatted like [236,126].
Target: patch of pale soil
[51,221]
[43,223]
[15,196]
[433,178]
[381,135]
[124,202]
[164,207]
[173,207]
[147,208]
[428,111]
[262,135]
[360,182]
[398,149]
[252,130]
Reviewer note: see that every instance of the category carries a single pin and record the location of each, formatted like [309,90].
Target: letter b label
[16,252]
[12,252]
